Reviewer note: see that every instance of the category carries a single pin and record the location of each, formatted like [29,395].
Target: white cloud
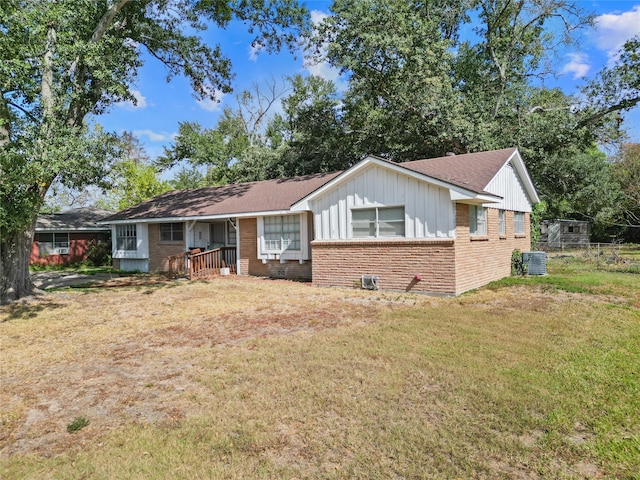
[212,105]
[318,16]
[141,101]
[578,65]
[155,136]
[254,50]
[612,30]
[323,69]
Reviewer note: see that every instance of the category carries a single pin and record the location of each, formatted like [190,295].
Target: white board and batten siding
[428,209]
[508,185]
[132,260]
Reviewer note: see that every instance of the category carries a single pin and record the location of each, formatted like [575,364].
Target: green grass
[76,268]
[530,378]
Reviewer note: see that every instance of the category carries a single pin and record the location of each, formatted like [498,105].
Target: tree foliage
[63,60]
[626,170]
[417,88]
[132,179]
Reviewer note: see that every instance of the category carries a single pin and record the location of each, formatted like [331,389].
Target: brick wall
[78,244]
[480,260]
[160,251]
[395,262]
[250,264]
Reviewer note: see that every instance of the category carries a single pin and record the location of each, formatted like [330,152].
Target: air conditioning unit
[369,282]
[536,262]
[62,251]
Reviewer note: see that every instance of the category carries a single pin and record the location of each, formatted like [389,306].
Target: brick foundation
[395,263]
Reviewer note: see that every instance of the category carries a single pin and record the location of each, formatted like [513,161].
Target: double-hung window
[518,223]
[377,222]
[501,225]
[477,220]
[171,232]
[282,233]
[126,237]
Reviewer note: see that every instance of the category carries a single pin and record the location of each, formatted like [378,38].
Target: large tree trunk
[15,251]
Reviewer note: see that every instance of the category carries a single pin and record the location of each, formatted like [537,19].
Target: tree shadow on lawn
[25,310]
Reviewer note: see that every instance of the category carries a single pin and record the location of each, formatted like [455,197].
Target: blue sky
[162,106]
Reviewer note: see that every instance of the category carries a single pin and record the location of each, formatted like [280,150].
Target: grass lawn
[248,378]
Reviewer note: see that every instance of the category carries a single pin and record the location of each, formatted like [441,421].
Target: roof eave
[221,216]
[70,229]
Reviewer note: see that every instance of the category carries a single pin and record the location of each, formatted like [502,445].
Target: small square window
[171,232]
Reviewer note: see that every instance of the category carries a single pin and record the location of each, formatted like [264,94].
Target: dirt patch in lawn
[121,355]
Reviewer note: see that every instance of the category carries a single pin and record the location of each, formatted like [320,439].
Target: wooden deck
[198,265]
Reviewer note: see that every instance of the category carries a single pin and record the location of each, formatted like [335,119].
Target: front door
[200,236]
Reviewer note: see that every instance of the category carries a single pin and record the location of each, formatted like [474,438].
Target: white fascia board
[199,218]
[459,192]
[68,229]
[523,173]
[477,199]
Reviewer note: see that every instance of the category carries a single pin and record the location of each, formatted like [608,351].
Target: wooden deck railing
[200,265]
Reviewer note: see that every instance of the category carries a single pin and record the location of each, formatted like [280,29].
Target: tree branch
[623,105]
[19,107]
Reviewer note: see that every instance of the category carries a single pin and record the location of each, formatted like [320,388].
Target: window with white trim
[53,243]
[477,220]
[172,232]
[501,225]
[126,237]
[377,222]
[518,222]
[282,233]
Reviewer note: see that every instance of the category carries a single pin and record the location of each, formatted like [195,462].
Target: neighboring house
[564,233]
[62,238]
[443,225]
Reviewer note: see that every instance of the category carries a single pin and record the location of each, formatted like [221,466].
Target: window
[52,243]
[477,220]
[377,222]
[518,222]
[282,233]
[171,232]
[126,238]
[501,224]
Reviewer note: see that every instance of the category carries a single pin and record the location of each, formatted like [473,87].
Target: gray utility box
[536,262]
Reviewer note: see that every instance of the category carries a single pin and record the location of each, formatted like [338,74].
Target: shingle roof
[75,219]
[472,171]
[238,198]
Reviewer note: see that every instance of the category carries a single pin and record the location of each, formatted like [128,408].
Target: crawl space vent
[369,282]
